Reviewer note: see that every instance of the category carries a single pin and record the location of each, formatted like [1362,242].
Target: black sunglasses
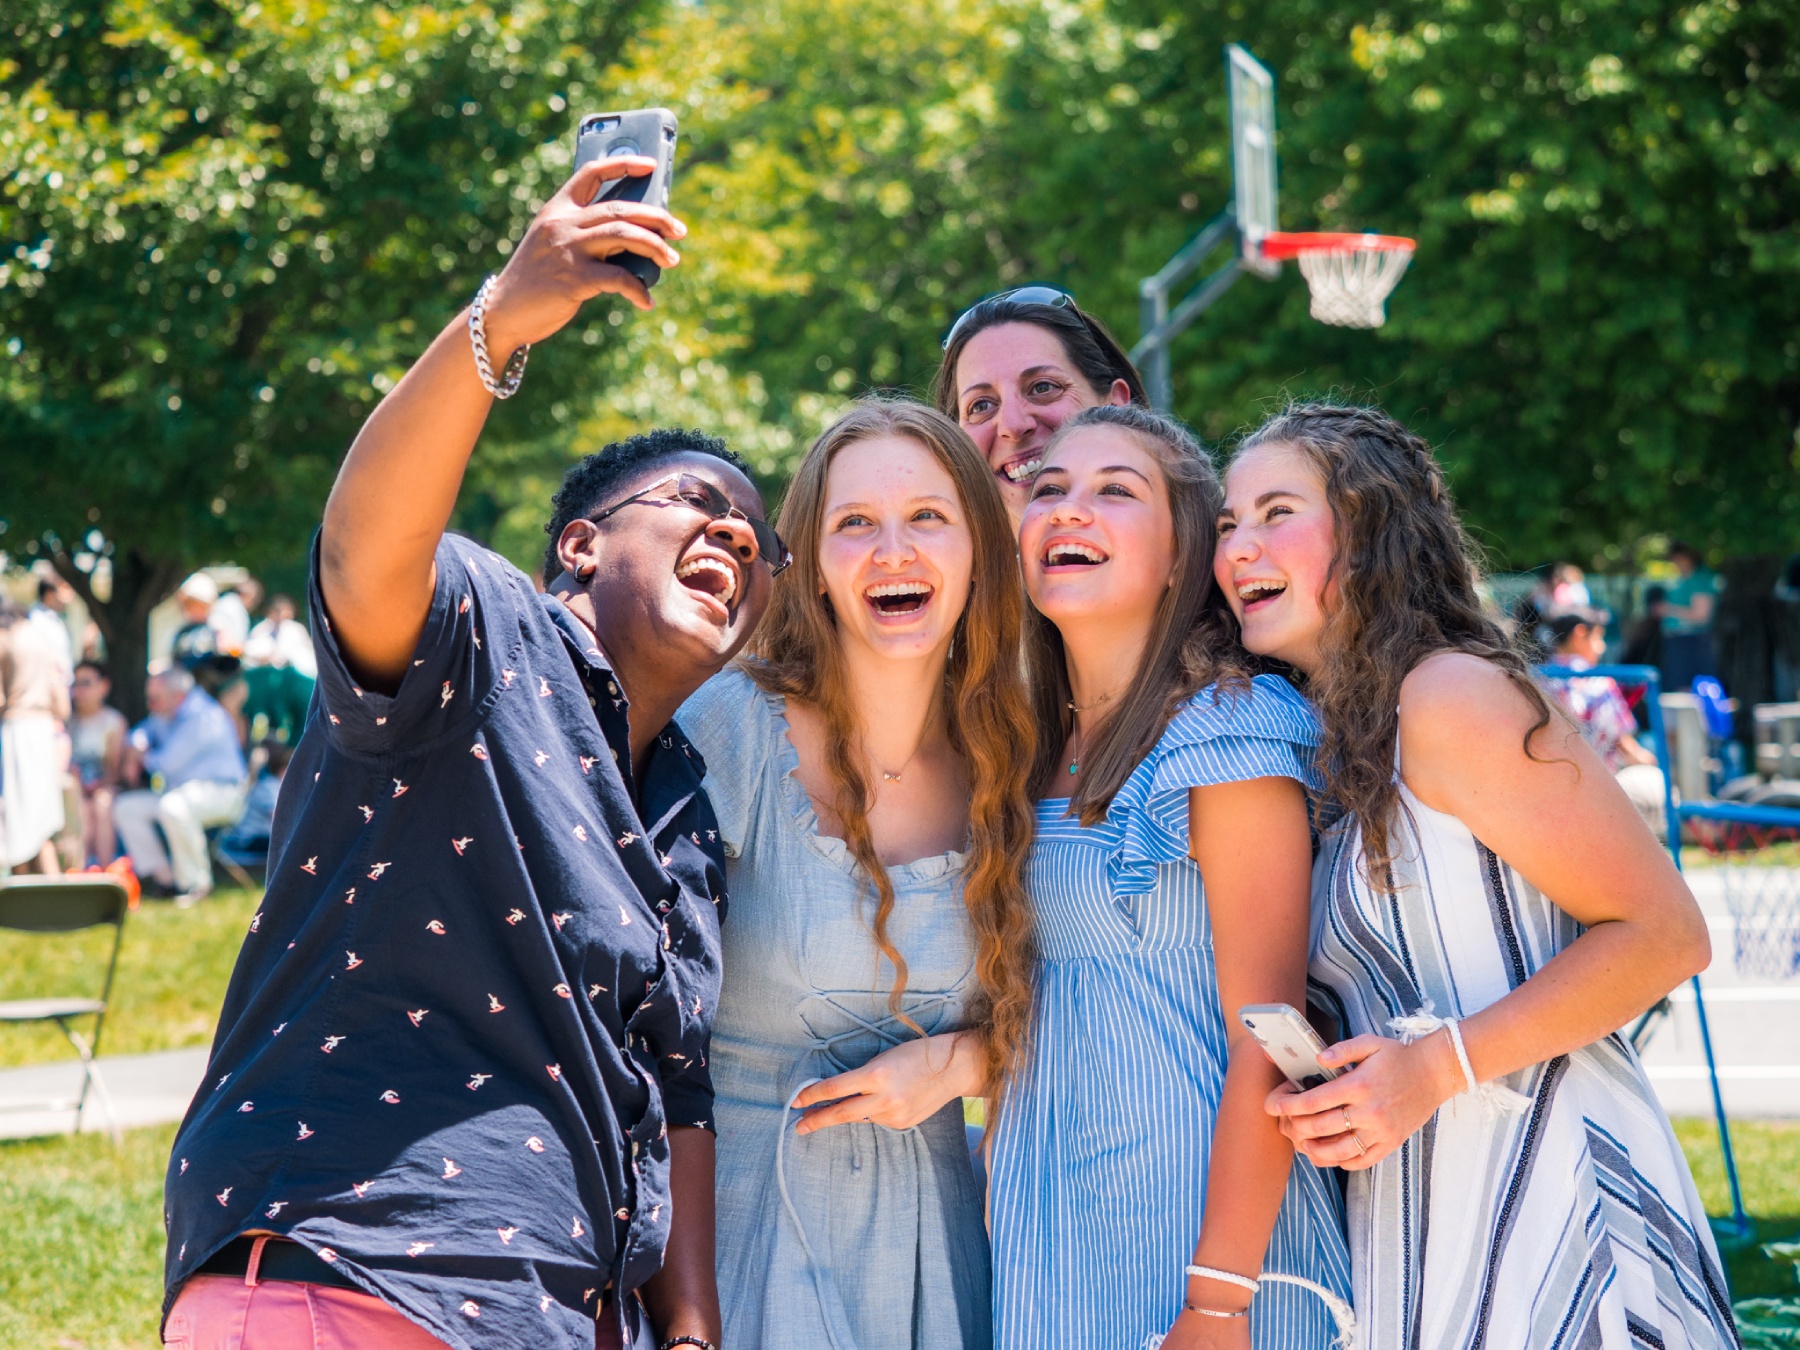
[1022,295]
[692,490]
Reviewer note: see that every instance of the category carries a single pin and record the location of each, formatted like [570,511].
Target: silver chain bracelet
[508,383]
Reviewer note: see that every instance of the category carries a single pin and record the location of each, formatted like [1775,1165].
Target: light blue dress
[1101,1151]
[858,1237]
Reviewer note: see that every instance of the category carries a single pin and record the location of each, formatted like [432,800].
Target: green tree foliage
[829,173]
[1600,326]
[225,230]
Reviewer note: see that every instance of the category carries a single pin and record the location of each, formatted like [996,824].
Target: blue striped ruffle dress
[1570,1223]
[1101,1151]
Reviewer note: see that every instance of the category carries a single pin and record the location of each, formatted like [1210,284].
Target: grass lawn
[81,1255]
[81,1265]
[1768,1159]
[173,969]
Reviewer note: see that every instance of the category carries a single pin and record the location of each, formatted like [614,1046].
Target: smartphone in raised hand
[641,131]
[1289,1040]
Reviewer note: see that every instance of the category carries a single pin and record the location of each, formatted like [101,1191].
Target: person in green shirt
[1687,616]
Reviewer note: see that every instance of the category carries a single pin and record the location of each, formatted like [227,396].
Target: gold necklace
[894,777]
[1088,707]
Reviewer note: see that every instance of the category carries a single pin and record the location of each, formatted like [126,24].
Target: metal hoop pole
[1651,678]
[1161,325]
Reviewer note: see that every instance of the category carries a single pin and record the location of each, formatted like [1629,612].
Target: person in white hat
[195,641]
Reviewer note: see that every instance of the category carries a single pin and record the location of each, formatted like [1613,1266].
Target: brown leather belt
[281,1260]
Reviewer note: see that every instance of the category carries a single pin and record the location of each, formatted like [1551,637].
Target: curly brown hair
[795,654]
[1192,638]
[1407,587]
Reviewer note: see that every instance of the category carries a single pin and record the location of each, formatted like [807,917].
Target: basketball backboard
[1253,155]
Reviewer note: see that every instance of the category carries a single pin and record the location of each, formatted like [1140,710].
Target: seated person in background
[97,734]
[247,842]
[281,640]
[188,750]
[1600,709]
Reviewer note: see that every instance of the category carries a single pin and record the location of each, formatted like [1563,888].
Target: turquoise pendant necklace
[1075,763]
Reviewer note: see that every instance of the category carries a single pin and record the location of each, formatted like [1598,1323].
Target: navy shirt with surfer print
[478,990]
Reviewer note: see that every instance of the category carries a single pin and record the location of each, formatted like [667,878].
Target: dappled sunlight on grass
[173,969]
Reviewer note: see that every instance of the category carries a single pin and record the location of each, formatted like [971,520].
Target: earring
[585,574]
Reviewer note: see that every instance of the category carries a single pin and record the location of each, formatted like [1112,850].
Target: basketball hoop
[1350,275]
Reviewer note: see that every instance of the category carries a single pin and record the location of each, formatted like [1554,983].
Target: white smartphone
[1289,1040]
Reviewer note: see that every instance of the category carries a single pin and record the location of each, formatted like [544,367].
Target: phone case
[1289,1041]
[641,131]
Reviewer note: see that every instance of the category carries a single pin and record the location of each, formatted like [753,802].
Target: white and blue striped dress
[1100,1153]
[1572,1224]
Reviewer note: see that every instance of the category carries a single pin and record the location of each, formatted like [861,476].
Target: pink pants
[222,1312]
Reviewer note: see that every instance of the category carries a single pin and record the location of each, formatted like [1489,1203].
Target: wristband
[1210,1273]
[1462,1053]
[674,1341]
[1496,1098]
[508,383]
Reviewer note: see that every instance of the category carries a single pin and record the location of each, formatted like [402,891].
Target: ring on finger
[1346,1111]
[1361,1148]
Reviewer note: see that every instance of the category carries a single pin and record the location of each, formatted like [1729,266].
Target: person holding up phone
[1487,915]
[458,1091]
[1139,1192]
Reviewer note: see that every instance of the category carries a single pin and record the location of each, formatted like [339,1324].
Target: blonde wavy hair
[796,654]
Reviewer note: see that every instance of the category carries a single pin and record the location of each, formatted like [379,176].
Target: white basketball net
[1351,285]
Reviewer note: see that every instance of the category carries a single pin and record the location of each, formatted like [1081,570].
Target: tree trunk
[139,585]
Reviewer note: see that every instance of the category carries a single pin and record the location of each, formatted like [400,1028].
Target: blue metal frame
[1739,1225]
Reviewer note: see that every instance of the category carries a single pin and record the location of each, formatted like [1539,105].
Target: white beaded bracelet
[508,383]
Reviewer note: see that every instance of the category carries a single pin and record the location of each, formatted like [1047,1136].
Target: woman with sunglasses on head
[867,761]
[1139,1190]
[1016,366]
[1488,913]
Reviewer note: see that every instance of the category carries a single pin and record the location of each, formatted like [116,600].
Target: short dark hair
[1680,548]
[47,588]
[588,483]
[96,667]
[1091,349]
[1564,622]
